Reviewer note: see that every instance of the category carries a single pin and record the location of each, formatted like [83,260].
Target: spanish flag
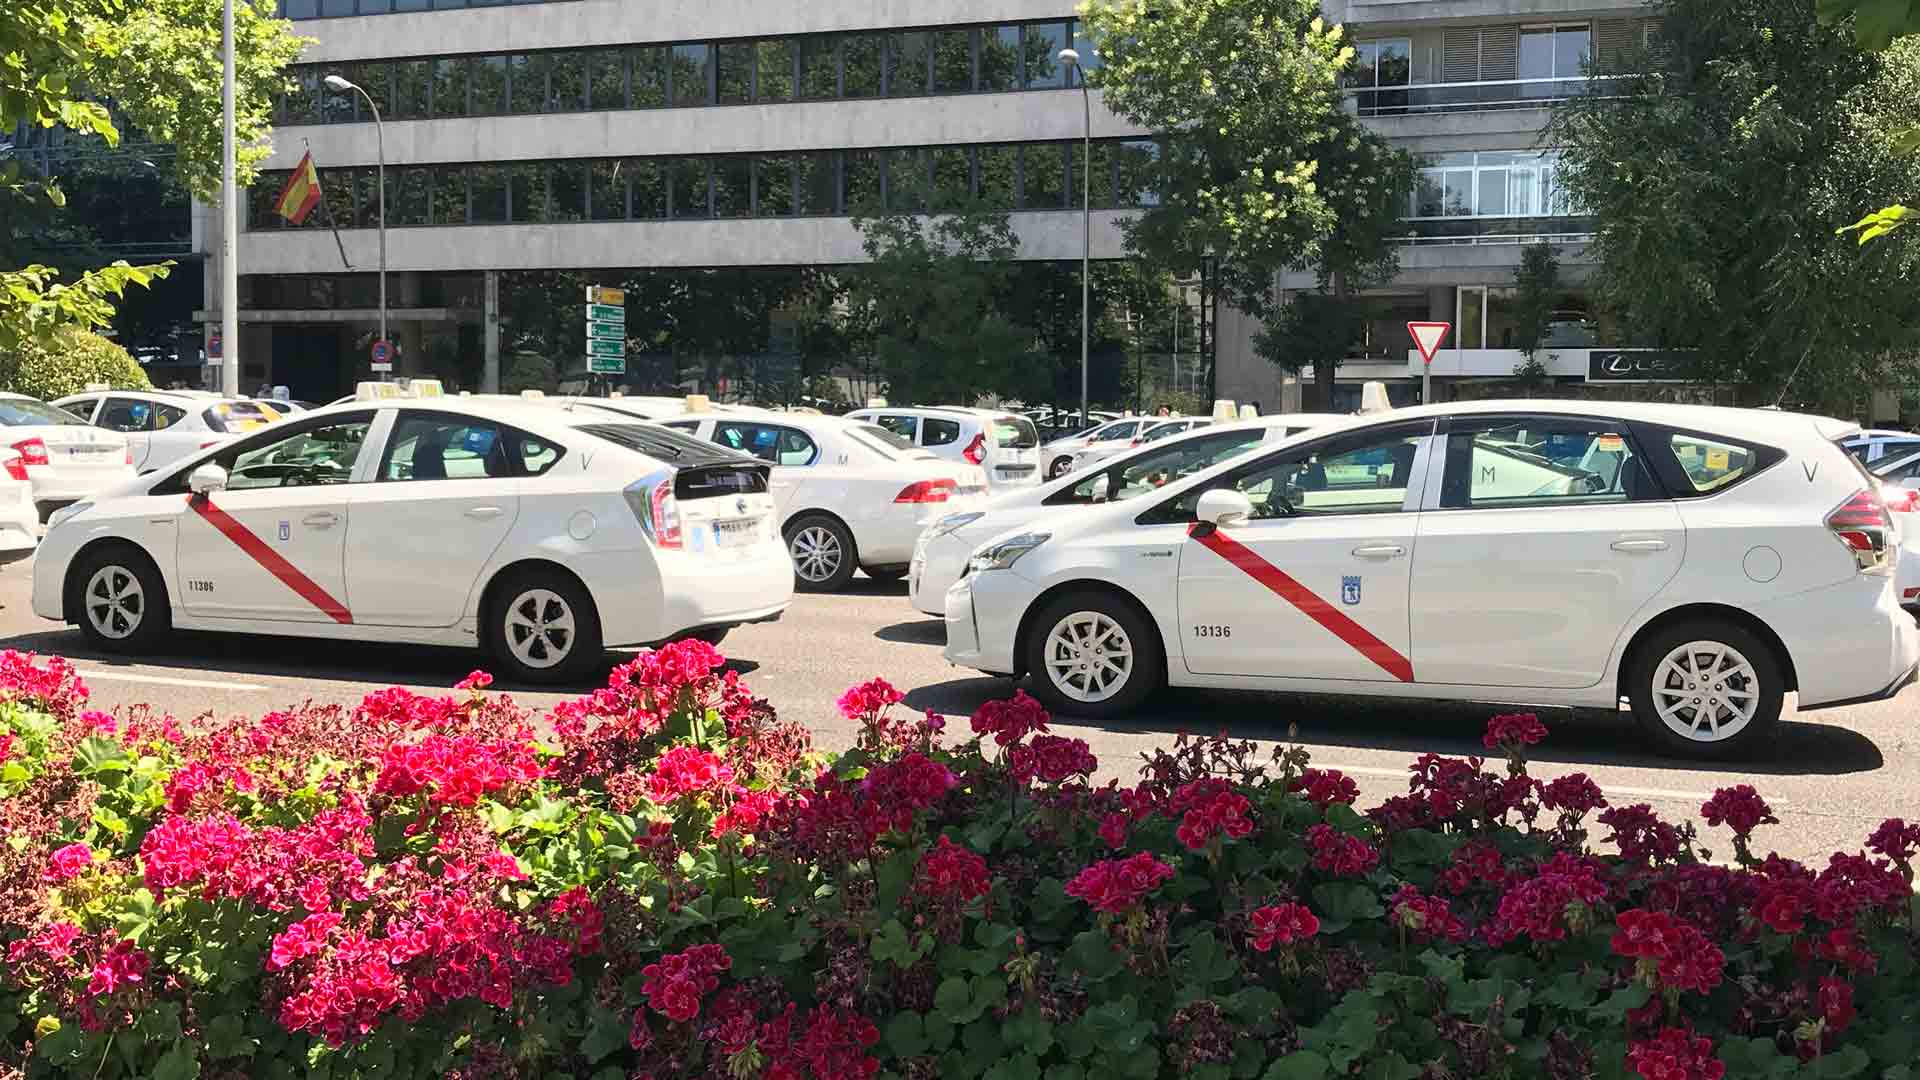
[302,192]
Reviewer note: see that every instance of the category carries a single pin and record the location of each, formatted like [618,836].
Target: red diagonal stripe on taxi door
[1310,605]
[273,561]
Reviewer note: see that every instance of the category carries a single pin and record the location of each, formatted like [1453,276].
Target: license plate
[1015,470]
[734,533]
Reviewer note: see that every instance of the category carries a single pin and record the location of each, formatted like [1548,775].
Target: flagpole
[229,221]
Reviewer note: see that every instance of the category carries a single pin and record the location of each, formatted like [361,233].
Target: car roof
[1721,419]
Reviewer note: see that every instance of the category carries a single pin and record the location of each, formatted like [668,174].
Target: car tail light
[1901,500]
[653,503]
[926,491]
[33,452]
[15,466]
[1863,525]
[976,451]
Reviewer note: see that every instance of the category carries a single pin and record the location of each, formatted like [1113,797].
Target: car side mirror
[1224,508]
[207,479]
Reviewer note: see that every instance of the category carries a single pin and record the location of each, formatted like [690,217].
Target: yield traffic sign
[1427,337]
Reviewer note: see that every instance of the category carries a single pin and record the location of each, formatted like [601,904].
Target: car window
[1117,431]
[1710,465]
[684,425]
[938,432]
[238,416]
[1152,470]
[26,412]
[1542,460]
[125,414]
[768,442]
[904,426]
[1897,470]
[431,447]
[884,437]
[1358,473]
[537,455]
[1015,433]
[82,407]
[1164,431]
[165,416]
[310,456]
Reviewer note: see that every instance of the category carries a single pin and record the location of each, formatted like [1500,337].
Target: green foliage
[1875,22]
[933,291]
[1536,289]
[1718,180]
[65,361]
[35,304]
[1314,329]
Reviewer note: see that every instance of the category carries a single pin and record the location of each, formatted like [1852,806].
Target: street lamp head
[1069,57]
[339,85]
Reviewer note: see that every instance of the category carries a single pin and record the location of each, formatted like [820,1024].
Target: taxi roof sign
[426,388]
[533,395]
[699,403]
[1249,412]
[1225,409]
[376,391]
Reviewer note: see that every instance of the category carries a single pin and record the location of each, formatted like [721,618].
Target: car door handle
[1648,543]
[1380,551]
[483,512]
[321,521]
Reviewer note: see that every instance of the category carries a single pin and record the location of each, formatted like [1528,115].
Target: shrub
[65,362]
[664,880]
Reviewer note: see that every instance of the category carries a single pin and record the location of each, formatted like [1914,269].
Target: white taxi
[541,537]
[847,495]
[1005,445]
[1699,562]
[164,426]
[64,457]
[1057,456]
[940,555]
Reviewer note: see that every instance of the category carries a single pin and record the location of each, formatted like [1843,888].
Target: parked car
[1005,445]
[163,426]
[1899,478]
[1715,560]
[65,458]
[1874,444]
[1057,456]
[19,517]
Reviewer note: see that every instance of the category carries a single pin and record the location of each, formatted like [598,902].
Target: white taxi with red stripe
[847,495]
[542,536]
[1700,563]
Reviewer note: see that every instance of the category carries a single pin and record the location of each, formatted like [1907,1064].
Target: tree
[1259,166]
[1536,289]
[1876,23]
[1717,180]
[65,362]
[158,64]
[933,289]
[1317,328]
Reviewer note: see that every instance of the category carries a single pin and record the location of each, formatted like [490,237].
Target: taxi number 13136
[1213,631]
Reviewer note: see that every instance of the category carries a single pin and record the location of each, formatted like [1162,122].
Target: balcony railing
[1462,229]
[1485,96]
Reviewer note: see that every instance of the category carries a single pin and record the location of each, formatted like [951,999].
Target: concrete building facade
[601,135]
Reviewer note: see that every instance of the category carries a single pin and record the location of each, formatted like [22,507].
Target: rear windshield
[26,412]
[665,444]
[883,442]
[237,416]
[1015,433]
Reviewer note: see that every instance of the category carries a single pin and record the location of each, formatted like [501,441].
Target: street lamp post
[340,85]
[1072,59]
[229,215]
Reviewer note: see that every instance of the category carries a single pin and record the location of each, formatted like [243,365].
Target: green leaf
[906,1034]
[227,1038]
[1618,1004]
[98,754]
[180,1062]
[893,874]
[607,1032]
[1343,903]
[1092,954]
[1205,961]
[1300,1065]
[952,999]
[1848,1061]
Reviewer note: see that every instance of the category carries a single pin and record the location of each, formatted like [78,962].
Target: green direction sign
[604,347]
[606,313]
[607,365]
[606,330]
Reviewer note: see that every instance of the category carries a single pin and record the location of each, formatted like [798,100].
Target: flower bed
[664,880]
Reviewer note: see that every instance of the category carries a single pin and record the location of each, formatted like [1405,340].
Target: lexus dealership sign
[1636,365]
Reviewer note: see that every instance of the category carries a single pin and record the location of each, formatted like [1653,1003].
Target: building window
[734,76]
[606,79]
[1491,193]
[1041,53]
[1043,176]
[999,169]
[732,187]
[773,186]
[952,61]
[526,83]
[450,87]
[566,81]
[1000,58]
[691,199]
[529,194]
[689,73]
[1554,52]
[1387,62]
[773,71]
[907,63]
[569,191]
[648,179]
[819,183]
[864,53]
[488,194]
[449,196]
[489,81]
[649,73]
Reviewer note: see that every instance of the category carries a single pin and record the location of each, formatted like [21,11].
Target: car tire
[1133,657]
[1740,692]
[120,600]
[542,627]
[823,554]
[886,574]
[1059,468]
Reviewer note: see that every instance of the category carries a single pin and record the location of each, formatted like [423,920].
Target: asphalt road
[1831,776]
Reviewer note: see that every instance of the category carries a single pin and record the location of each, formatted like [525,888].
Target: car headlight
[951,522]
[1004,554]
[65,512]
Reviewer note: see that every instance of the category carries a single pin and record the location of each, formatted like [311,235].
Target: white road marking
[162,680]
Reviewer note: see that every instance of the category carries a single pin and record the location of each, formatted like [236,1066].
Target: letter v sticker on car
[271,560]
[1310,605]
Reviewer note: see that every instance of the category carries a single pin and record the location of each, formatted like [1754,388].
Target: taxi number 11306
[1213,631]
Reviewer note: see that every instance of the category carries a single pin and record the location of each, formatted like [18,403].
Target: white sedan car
[433,521]
[1699,562]
[65,458]
[846,495]
[1005,445]
[1057,456]
[19,518]
[940,556]
[1900,483]
[164,426]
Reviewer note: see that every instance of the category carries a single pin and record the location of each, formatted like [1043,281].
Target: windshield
[238,416]
[26,412]
[663,443]
[1898,468]
[1015,433]
[885,437]
[1151,470]
[886,444]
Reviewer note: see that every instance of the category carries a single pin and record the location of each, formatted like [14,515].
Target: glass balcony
[1467,229]
[1484,96]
